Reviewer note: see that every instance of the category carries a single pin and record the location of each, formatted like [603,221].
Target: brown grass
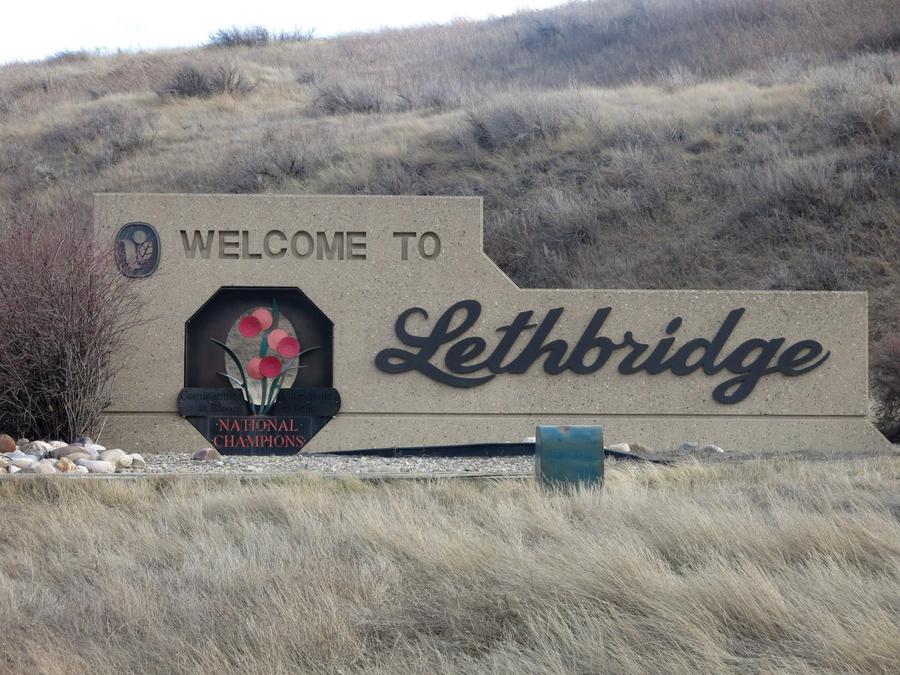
[661,144]
[757,566]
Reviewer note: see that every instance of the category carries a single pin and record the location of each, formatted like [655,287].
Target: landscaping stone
[97,465]
[22,441]
[14,469]
[37,448]
[206,455]
[138,463]
[58,444]
[111,455]
[619,447]
[68,450]
[43,467]
[711,448]
[7,443]
[65,465]
[124,462]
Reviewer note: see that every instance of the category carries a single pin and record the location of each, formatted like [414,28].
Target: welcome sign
[279,323]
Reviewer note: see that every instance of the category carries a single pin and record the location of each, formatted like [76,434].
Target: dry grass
[660,144]
[757,566]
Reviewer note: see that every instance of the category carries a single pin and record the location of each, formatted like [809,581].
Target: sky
[35,29]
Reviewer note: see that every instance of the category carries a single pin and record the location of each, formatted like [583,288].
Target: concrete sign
[335,323]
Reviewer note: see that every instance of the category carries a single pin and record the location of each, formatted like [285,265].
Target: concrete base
[166,432]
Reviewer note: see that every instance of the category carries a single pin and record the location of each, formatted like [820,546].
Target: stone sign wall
[380,322]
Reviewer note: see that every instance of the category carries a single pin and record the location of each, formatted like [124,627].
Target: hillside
[658,144]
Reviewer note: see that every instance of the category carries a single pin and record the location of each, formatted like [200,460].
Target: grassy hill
[655,144]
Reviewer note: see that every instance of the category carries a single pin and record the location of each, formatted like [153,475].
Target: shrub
[335,98]
[191,82]
[251,36]
[885,384]
[510,126]
[66,309]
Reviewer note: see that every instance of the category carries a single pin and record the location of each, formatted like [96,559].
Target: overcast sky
[34,29]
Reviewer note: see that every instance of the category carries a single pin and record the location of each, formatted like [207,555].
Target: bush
[65,311]
[191,82]
[335,98]
[251,36]
[885,384]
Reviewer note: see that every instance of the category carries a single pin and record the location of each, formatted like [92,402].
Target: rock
[14,469]
[4,461]
[124,462]
[44,467]
[97,465]
[80,469]
[69,450]
[711,448]
[37,448]
[619,447]
[94,449]
[58,444]
[22,441]
[111,455]
[7,443]
[24,462]
[2,469]
[65,465]
[206,455]
[75,456]
[688,446]
[220,463]
[83,440]
[138,463]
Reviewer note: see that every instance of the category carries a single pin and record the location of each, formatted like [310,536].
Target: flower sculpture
[278,351]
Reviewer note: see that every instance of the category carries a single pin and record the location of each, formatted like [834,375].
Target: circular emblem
[137,250]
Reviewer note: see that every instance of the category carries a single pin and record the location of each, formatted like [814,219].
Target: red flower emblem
[264,316]
[250,326]
[289,347]
[253,368]
[275,337]
[270,366]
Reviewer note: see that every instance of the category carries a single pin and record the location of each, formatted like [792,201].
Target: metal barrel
[569,454]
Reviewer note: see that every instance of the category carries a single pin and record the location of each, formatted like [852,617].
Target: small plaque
[259,435]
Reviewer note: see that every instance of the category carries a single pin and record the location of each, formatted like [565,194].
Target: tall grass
[774,566]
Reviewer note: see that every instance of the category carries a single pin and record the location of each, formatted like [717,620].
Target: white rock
[17,454]
[112,455]
[711,448]
[529,439]
[688,446]
[45,467]
[124,462]
[137,462]
[80,469]
[14,469]
[619,447]
[37,448]
[97,465]
[57,444]
[24,462]
[94,448]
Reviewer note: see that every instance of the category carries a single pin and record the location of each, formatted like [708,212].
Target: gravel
[175,462]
